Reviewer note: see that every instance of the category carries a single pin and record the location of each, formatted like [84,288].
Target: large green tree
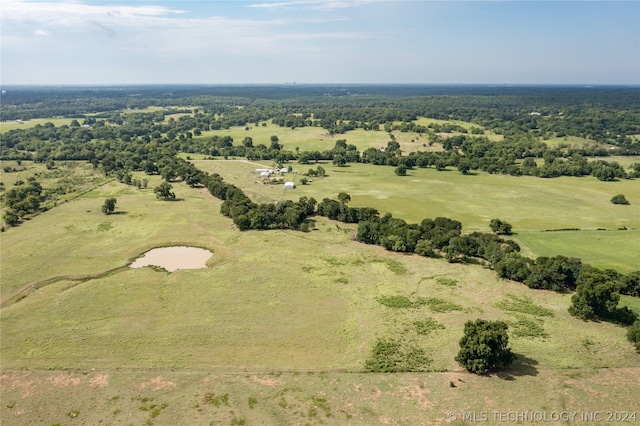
[484,346]
[500,227]
[597,298]
[163,192]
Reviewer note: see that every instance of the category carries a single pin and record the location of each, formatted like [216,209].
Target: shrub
[619,199]
[390,356]
[634,335]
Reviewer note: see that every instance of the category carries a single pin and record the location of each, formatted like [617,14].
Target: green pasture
[276,330]
[318,139]
[572,142]
[5,126]
[271,300]
[528,203]
[624,160]
[618,250]
[424,121]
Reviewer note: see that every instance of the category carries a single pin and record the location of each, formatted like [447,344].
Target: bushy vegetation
[620,199]
[400,302]
[633,334]
[524,305]
[392,356]
[596,298]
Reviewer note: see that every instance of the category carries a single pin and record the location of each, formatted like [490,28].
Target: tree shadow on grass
[522,366]
[118,213]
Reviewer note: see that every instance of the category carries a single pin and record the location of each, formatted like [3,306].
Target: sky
[319,42]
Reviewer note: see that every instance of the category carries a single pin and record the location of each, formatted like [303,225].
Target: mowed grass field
[276,330]
[5,126]
[318,139]
[532,205]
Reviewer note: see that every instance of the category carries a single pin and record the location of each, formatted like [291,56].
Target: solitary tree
[500,227]
[109,205]
[484,346]
[401,170]
[343,197]
[163,191]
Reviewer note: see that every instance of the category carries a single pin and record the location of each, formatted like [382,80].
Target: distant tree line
[606,115]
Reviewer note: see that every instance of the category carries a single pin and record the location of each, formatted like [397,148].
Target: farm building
[258,171]
[289,185]
[284,171]
[264,175]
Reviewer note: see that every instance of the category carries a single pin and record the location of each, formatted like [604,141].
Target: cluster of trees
[597,296]
[249,215]
[22,200]
[559,273]
[434,238]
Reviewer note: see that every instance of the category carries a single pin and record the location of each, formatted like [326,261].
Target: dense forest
[107,130]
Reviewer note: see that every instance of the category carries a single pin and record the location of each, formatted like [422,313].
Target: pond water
[174,258]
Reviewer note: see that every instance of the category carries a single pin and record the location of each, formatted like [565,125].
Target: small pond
[174,258]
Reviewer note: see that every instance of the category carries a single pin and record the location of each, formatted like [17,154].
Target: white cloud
[312,4]
[41,33]
[17,10]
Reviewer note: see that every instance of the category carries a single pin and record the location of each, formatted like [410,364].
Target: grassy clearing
[194,346]
[317,138]
[530,204]
[424,121]
[572,142]
[261,288]
[5,126]
[618,250]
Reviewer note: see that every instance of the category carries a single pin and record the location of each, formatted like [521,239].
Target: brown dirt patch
[64,380]
[100,381]
[157,384]
[268,381]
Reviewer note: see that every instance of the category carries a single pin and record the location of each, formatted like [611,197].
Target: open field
[278,328]
[5,126]
[201,398]
[618,250]
[424,121]
[530,204]
[317,138]
[281,323]
[573,142]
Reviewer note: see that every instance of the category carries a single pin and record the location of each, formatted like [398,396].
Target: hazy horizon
[157,42]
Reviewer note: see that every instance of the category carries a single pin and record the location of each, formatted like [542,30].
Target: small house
[284,171]
[264,175]
[289,185]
